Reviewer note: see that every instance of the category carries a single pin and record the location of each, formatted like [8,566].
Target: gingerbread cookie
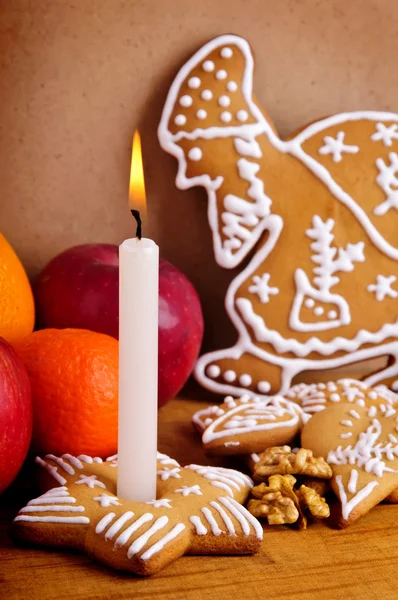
[311,223]
[198,510]
[361,446]
[245,425]
[315,397]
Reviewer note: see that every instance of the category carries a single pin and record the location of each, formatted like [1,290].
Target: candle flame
[137,196]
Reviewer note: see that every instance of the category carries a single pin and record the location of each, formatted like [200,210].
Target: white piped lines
[55,500]
[138,544]
[226,479]
[220,521]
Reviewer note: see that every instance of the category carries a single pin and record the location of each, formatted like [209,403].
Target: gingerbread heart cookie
[198,510]
[315,397]
[361,446]
[245,425]
[309,221]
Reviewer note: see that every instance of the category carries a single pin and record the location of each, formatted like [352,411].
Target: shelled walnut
[282,461]
[281,504]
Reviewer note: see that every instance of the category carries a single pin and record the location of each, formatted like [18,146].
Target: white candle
[138,369]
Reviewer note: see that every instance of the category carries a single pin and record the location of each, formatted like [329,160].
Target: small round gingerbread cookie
[246,425]
[315,397]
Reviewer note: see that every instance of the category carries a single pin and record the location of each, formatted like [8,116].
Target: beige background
[78,76]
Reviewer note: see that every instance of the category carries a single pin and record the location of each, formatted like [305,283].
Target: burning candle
[138,351]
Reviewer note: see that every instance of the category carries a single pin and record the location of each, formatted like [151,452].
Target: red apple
[80,288]
[15,414]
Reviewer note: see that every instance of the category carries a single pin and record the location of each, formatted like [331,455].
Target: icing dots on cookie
[226,117]
[195,154]
[224,101]
[194,83]
[208,66]
[201,114]
[186,101]
[232,86]
[206,95]
[226,52]
[221,74]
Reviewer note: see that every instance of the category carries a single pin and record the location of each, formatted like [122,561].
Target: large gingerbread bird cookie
[198,510]
[312,220]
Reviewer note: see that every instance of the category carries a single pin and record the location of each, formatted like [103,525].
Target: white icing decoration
[226,52]
[186,101]
[261,419]
[171,535]
[309,302]
[194,83]
[208,66]
[245,380]
[318,311]
[382,287]
[206,95]
[232,86]
[227,520]
[385,134]
[262,288]
[264,387]
[336,147]
[195,154]
[186,490]
[388,181]
[242,115]
[290,367]
[332,314]
[162,503]
[231,444]
[372,412]
[345,436]
[226,116]
[52,508]
[221,74]
[248,148]
[53,519]
[229,376]
[366,453]
[211,521]
[214,371]
[392,438]
[243,516]
[346,506]
[255,458]
[118,524]
[106,501]
[127,533]
[346,423]
[60,462]
[352,484]
[90,481]
[180,120]
[140,542]
[73,461]
[199,527]
[165,474]
[201,114]
[224,101]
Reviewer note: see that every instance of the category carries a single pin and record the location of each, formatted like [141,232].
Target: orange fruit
[17,309]
[74,379]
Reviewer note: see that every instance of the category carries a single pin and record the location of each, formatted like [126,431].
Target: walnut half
[281,504]
[282,461]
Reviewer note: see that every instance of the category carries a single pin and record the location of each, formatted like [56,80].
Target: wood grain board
[317,564]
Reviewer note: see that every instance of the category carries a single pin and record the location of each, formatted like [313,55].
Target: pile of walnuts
[277,499]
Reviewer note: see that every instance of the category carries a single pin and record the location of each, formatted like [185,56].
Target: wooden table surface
[320,563]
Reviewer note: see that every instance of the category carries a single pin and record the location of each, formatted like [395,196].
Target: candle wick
[137,217]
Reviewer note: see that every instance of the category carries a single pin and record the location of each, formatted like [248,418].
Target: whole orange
[17,310]
[74,379]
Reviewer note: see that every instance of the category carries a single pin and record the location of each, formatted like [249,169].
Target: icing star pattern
[164,474]
[187,491]
[388,181]
[91,481]
[382,287]
[106,500]
[336,147]
[385,134]
[262,288]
